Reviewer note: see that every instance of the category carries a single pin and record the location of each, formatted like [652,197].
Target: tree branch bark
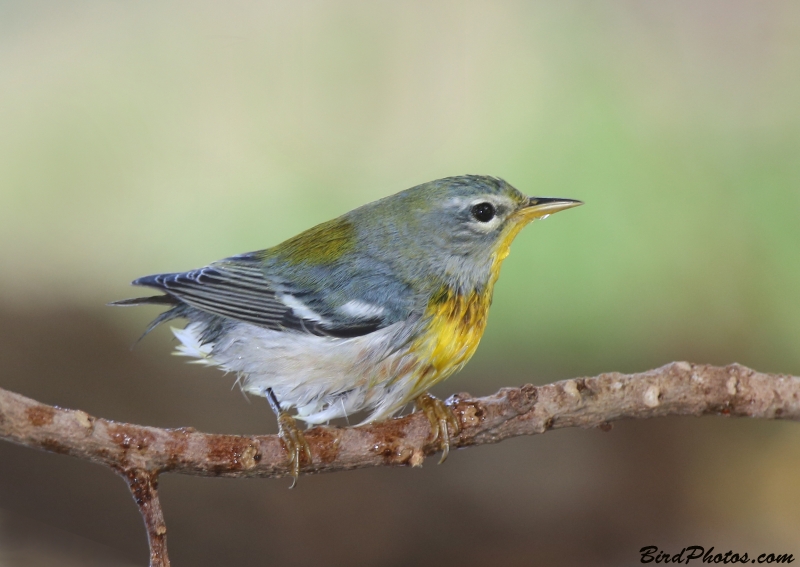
[144,488]
[139,453]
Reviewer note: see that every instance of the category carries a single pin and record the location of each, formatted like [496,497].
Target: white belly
[322,377]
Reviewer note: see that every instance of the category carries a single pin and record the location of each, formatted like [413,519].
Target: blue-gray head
[458,228]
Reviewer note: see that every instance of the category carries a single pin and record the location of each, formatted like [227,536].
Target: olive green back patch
[321,244]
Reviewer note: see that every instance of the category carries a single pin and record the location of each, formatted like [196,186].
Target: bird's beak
[541,207]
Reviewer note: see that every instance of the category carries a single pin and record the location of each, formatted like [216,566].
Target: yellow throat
[457,321]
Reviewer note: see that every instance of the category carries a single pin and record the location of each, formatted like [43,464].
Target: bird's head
[460,226]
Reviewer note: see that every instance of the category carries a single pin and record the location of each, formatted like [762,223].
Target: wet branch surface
[140,454]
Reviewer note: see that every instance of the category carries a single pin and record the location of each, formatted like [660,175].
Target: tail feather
[152,300]
[175,313]
[178,309]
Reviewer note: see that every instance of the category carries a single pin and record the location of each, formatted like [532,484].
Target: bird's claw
[294,442]
[444,423]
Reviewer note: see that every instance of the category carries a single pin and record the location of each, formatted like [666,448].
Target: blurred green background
[147,137]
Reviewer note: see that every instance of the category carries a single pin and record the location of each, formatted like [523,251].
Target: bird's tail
[177,310]
[152,300]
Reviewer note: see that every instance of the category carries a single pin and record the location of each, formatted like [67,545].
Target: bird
[361,314]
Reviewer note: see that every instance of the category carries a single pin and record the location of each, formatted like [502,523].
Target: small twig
[144,488]
[141,453]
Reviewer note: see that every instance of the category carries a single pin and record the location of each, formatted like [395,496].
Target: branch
[140,453]
[144,488]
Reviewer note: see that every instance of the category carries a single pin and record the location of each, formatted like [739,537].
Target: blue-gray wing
[237,288]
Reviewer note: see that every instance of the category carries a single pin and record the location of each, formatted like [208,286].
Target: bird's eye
[483,212]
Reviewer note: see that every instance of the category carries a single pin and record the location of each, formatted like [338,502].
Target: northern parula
[365,312]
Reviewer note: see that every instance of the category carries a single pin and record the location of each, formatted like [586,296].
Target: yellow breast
[456,325]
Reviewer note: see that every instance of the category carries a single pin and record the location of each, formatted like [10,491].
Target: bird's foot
[294,442]
[444,423]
